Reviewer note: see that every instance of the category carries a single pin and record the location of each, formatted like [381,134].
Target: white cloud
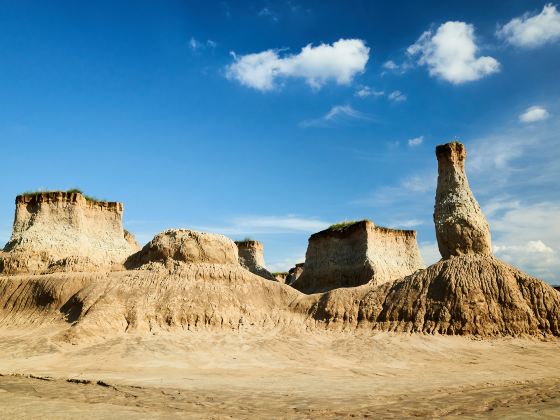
[416,141]
[338,62]
[451,54]
[528,236]
[268,225]
[534,114]
[338,113]
[365,91]
[397,96]
[532,31]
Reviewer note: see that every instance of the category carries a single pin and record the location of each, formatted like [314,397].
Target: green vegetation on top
[343,225]
[73,190]
[247,239]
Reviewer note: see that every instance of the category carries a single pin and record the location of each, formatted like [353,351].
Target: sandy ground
[277,374]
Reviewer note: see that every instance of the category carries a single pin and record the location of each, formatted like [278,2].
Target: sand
[276,373]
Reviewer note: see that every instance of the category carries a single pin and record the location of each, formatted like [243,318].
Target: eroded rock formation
[356,254]
[185,246]
[54,230]
[251,257]
[461,228]
[294,273]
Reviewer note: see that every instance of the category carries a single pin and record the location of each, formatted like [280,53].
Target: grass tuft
[344,225]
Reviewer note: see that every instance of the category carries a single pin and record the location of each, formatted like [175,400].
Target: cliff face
[461,228]
[251,257]
[356,255]
[51,228]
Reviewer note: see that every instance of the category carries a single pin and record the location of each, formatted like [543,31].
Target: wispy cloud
[366,91]
[412,187]
[245,225]
[406,223]
[338,114]
[397,96]
[339,62]
[391,66]
[416,141]
[196,45]
[268,13]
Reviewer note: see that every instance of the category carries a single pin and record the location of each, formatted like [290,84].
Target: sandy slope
[275,373]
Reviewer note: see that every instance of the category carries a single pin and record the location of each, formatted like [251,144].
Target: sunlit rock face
[65,231]
[461,228]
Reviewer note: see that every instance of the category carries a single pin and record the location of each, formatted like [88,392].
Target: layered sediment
[251,257]
[356,254]
[461,228]
[187,280]
[54,228]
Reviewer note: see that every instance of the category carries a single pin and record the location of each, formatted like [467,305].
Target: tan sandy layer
[271,373]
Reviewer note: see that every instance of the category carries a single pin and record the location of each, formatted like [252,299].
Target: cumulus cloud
[451,54]
[532,31]
[527,236]
[338,113]
[339,62]
[416,141]
[397,96]
[534,114]
[365,91]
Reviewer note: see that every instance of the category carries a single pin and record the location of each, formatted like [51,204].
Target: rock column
[461,228]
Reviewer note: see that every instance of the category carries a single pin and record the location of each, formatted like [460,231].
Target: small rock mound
[185,246]
[251,257]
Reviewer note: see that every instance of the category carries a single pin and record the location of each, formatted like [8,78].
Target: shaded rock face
[185,246]
[356,255]
[59,229]
[294,273]
[461,228]
[251,257]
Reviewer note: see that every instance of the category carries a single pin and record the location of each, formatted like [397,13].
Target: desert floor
[276,374]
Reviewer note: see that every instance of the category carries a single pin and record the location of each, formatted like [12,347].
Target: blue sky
[275,119]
